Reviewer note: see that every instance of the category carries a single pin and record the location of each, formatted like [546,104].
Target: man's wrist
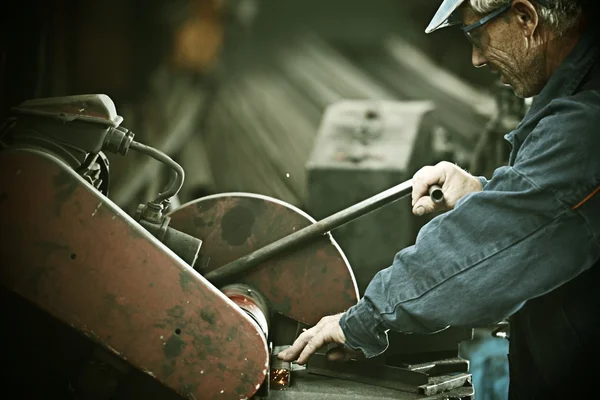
[480,183]
[363,329]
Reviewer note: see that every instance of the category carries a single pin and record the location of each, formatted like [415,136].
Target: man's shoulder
[578,114]
[584,102]
[569,128]
[561,152]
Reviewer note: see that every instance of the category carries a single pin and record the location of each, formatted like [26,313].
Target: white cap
[440,19]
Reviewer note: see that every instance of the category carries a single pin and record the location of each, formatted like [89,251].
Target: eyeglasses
[478,38]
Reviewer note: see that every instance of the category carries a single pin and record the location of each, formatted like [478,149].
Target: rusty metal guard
[305,284]
[73,253]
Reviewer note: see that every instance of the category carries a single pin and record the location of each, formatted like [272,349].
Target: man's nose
[477,58]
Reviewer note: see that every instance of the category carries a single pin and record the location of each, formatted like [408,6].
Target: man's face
[502,46]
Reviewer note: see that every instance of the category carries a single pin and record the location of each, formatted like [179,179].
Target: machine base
[308,386]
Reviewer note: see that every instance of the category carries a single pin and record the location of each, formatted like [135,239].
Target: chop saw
[185,303]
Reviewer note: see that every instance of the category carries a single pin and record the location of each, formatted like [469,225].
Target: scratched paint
[236,225]
[185,280]
[96,210]
[174,346]
[176,311]
[64,187]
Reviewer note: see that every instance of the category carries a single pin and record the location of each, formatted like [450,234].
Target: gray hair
[561,18]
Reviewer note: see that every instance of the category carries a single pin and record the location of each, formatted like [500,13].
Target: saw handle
[436,194]
[316,230]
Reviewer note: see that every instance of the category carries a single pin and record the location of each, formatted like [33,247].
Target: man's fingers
[419,190]
[327,330]
[422,180]
[423,206]
[313,345]
[292,352]
[419,186]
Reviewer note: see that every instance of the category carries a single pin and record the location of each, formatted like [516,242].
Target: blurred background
[236,91]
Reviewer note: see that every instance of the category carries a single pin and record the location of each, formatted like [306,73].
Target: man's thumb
[423,206]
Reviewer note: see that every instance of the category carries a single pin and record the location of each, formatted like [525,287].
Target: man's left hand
[328,330]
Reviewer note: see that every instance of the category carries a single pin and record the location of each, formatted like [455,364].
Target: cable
[174,188]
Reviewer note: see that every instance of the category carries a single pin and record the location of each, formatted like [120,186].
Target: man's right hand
[455,183]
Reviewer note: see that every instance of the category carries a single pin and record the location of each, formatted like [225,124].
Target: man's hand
[328,330]
[455,183]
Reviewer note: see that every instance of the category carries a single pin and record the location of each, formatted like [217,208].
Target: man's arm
[523,236]
[518,239]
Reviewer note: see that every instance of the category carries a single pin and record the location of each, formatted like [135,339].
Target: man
[526,243]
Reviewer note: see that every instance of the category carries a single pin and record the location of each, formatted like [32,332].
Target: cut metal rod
[220,275]
[436,194]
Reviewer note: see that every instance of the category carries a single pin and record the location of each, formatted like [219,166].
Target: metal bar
[436,194]
[427,383]
[369,373]
[441,367]
[242,264]
[440,384]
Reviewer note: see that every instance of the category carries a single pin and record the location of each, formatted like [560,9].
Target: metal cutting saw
[192,302]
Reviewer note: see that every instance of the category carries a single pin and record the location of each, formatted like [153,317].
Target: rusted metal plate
[73,253]
[305,284]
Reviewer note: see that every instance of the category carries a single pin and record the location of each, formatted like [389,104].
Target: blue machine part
[488,364]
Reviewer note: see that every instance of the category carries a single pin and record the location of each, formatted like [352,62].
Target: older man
[526,243]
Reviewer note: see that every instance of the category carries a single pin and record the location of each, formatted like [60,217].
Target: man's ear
[527,16]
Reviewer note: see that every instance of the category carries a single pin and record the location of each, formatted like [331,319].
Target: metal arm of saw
[221,275]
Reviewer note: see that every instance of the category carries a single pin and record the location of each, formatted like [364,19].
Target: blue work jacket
[532,236]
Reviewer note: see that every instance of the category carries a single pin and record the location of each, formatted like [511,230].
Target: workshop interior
[186,185]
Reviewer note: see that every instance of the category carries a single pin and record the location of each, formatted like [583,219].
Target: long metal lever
[220,275]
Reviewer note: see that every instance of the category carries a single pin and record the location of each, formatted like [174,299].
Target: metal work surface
[430,378]
[73,253]
[306,386]
[305,284]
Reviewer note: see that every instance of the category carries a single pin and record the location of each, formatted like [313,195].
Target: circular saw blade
[305,284]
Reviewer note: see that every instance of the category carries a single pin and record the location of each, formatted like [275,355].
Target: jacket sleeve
[483,180]
[518,239]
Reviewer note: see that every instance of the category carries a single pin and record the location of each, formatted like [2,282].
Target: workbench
[307,386]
